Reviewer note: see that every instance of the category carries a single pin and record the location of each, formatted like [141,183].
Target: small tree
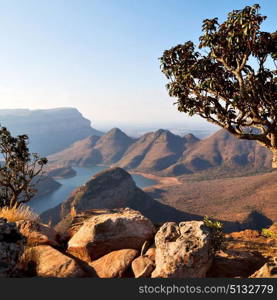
[217,235]
[19,170]
[229,83]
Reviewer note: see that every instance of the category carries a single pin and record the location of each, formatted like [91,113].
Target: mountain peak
[116,132]
[163,132]
[191,138]
[115,173]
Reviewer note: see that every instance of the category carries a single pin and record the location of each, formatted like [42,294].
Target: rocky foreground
[121,242]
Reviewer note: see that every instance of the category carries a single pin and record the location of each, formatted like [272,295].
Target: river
[44,203]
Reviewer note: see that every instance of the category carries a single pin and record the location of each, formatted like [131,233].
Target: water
[41,204]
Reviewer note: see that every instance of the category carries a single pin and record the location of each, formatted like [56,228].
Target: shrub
[269,234]
[20,170]
[217,235]
[26,265]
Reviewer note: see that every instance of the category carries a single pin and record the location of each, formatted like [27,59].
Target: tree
[227,80]
[19,170]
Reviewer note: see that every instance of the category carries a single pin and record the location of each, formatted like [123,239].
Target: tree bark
[274,159]
[274,150]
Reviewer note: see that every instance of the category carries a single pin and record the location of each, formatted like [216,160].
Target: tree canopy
[227,79]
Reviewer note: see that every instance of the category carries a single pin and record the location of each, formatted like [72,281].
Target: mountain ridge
[49,130]
[166,154]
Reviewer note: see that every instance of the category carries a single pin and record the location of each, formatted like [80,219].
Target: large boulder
[183,251]
[49,262]
[36,233]
[11,248]
[113,230]
[114,264]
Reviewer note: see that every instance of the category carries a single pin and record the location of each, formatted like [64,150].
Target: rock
[233,264]
[245,234]
[183,251]
[114,264]
[49,262]
[151,253]
[69,225]
[36,233]
[244,253]
[11,248]
[142,266]
[268,270]
[114,230]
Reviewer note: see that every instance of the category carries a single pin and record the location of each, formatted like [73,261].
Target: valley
[65,186]
[219,176]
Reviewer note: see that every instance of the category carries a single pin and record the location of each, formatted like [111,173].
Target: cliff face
[50,130]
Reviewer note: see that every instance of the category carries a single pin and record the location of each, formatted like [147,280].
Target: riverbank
[161,181]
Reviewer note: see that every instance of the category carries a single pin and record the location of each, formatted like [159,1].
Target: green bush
[217,235]
[268,233]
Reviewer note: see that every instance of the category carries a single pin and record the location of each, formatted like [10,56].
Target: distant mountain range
[49,130]
[165,153]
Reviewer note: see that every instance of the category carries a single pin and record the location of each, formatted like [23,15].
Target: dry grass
[62,227]
[27,262]
[73,212]
[22,212]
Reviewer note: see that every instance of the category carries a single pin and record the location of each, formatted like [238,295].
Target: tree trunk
[274,159]
[13,201]
[273,149]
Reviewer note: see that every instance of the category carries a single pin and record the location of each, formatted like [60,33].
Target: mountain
[45,186]
[95,150]
[60,172]
[114,188]
[113,145]
[49,130]
[164,153]
[222,150]
[80,153]
[154,151]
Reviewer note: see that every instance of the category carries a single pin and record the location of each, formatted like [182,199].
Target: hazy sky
[100,56]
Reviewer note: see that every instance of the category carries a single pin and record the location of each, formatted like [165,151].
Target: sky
[101,56]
